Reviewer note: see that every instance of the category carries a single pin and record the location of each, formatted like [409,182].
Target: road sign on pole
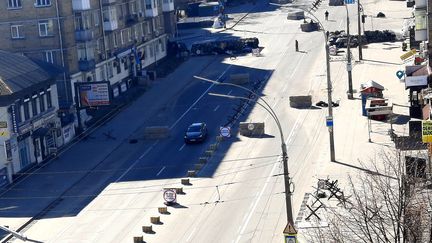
[170,196]
[290,234]
[350,1]
[329,121]
[225,132]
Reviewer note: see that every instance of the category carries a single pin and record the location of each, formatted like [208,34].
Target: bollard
[208,153]
[202,160]
[185,181]
[179,190]
[191,173]
[198,166]
[213,146]
[219,138]
[163,210]
[147,229]
[138,239]
[155,220]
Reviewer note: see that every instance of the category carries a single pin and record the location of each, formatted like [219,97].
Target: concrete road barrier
[156,132]
[138,239]
[300,101]
[147,229]
[191,173]
[213,146]
[198,166]
[155,220]
[219,138]
[208,153]
[179,190]
[185,181]
[239,78]
[202,160]
[163,210]
[295,14]
[251,128]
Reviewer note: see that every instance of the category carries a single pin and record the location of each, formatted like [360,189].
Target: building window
[14,4]
[45,28]
[115,37]
[48,96]
[110,70]
[34,104]
[42,101]
[49,56]
[26,108]
[148,4]
[96,18]
[16,32]
[42,3]
[129,34]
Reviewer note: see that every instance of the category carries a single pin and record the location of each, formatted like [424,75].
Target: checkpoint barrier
[156,132]
[163,210]
[239,78]
[309,27]
[191,173]
[138,239]
[179,190]
[185,181]
[202,160]
[147,229]
[208,153]
[296,14]
[199,166]
[213,146]
[219,139]
[155,220]
[251,129]
[300,101]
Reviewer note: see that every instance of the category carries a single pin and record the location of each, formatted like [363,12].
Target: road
[104,190]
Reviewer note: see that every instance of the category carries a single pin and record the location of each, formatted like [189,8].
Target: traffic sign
[225,132]
[427,131]
[349,1]
[290,234]
[170,196]
[329,121]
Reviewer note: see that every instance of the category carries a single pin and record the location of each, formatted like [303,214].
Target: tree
[389,202]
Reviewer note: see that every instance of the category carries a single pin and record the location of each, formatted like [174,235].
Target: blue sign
[329,121]
[400,74]
[3,177]
[349,1]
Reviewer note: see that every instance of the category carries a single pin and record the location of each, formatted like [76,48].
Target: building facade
[94,40]
[30,128]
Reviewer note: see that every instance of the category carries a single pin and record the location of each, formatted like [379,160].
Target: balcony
[80,5]
[167,5]
[420,4]
[86,65]
[110,25]
[131,19]
[84,35]
[108,2]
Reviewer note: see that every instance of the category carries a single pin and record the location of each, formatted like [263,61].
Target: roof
[19,72]
[371,84]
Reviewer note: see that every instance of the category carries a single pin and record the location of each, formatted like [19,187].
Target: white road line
[182,147]
[136,161]
[229,92]
[199,98]
[163,168]
[217,107]
[190,236]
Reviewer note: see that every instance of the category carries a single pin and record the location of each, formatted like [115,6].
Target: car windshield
[195,128]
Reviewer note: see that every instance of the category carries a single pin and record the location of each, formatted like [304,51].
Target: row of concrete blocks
[179,190]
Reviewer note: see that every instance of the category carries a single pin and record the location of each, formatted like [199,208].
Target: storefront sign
[3,177]
[115,92]
[123,87]
[8,150]
[411,81]
[408,54]
[67,134]
[3,124]
[14,112]
[94,94]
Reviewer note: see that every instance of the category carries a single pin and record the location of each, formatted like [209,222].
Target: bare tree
[387,203]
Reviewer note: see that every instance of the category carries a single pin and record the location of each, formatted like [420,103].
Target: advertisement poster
[94,94]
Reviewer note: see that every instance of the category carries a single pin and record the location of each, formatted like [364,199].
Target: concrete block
[155,220]
[147,229]
[185,181]
[198,166]
[163,210]
[213,146]
[208,153]
[239,78]
[219,138]
[300,101]
[191,173]
[251,128]
[202,160]
[138,239]
[179,190]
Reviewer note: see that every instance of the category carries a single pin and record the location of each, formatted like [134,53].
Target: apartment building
[94,40]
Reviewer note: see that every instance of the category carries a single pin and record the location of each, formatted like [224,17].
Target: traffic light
[363,18]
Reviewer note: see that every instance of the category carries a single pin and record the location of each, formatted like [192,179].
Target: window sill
[47,36]
[42,6]
[14,8]
[18,38]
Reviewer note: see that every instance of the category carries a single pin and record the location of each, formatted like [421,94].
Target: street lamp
[267,107]
[349,66]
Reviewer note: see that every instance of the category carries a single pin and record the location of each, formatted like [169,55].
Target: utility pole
[359,31]
[329,96]
[349,66]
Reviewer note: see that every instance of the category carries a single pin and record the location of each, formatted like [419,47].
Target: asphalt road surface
[104,189]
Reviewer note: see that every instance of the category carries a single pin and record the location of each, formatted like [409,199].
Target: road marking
[199,98]
[217,107]
[163,168]
[190,236]
[229,92]
[136,161]
[182,147]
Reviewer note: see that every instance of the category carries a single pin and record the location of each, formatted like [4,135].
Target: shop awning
[40,132]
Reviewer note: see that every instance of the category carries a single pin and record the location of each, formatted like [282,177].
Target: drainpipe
[61,48]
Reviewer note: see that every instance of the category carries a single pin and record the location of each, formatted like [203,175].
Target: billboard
[94,93]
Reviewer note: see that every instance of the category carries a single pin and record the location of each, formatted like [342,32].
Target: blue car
[196,133]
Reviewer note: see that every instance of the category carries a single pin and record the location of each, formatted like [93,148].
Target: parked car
[196,133]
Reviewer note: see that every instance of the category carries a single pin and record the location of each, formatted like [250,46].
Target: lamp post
[267,107]
[349,66]
[359,31]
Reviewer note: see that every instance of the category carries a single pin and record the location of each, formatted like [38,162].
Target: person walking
[326,15]
[296,46]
